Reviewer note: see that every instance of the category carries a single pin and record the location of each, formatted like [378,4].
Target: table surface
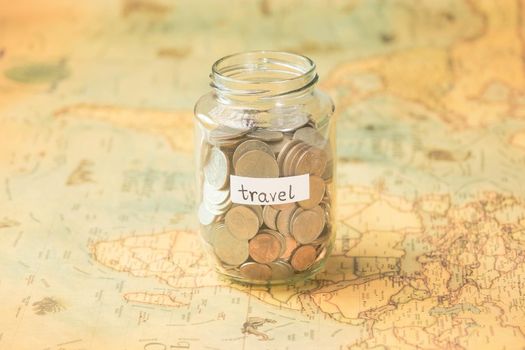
[98,246]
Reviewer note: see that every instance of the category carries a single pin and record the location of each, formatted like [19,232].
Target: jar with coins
[265,156]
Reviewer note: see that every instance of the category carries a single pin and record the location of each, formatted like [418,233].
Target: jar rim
[287,72]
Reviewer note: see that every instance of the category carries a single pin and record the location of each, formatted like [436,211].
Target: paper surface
[265,191]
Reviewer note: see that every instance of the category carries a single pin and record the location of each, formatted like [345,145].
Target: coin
[292,156]
[207,233]
[205,216]
[229,249]
[311,162]
[257,209]
[242,222]
[281,270]
[256,271]
[264,248]
[283,219]
[276,146]
[311,136]
[283,206]
[280,237]
[217,209]
[250,145]
[317,189]
[216,171]
[257,164]
[270,216]
[290,246]
[224,132]
[307,226]
[266,135]
[303,257]
[284,152]
[212,195]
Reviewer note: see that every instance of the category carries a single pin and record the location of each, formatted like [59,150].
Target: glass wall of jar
[265,157]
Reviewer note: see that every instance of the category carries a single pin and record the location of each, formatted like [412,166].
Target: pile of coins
[271,243]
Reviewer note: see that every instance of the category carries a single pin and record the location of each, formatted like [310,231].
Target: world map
[98,239]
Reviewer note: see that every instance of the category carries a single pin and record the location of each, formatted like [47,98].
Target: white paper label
[280,190]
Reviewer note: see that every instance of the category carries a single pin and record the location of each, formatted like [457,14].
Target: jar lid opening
[264,74]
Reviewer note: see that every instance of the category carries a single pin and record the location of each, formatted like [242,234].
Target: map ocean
[98,243]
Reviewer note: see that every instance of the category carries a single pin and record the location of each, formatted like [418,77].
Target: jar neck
[262,77]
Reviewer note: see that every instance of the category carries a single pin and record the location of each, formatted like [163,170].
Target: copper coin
[290,244]
[303,257]
[242,222]
[317,189]
[255,271]
[265,248]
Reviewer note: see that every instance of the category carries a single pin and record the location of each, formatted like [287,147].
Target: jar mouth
[263,74]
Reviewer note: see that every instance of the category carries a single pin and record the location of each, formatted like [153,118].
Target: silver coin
[281,270]
[206,217]
[311,136]
[265,135]
[255,271]
[283,154]
[225,133]
[257,164]
[250,145]
[216,171]
[229,249]
[212,195]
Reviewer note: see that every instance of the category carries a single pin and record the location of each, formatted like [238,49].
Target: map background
[95,166]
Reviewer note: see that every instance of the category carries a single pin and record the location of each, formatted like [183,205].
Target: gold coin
[256,164]
[270,216]
[307,226]
[255,271]
[311,162]
[303,257]
[242,222]
[264,248]
[250,145]
[216,170]
[228,248]
[317,189]
[283,219]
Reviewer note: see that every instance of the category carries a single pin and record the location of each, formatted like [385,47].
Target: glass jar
[265,155]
